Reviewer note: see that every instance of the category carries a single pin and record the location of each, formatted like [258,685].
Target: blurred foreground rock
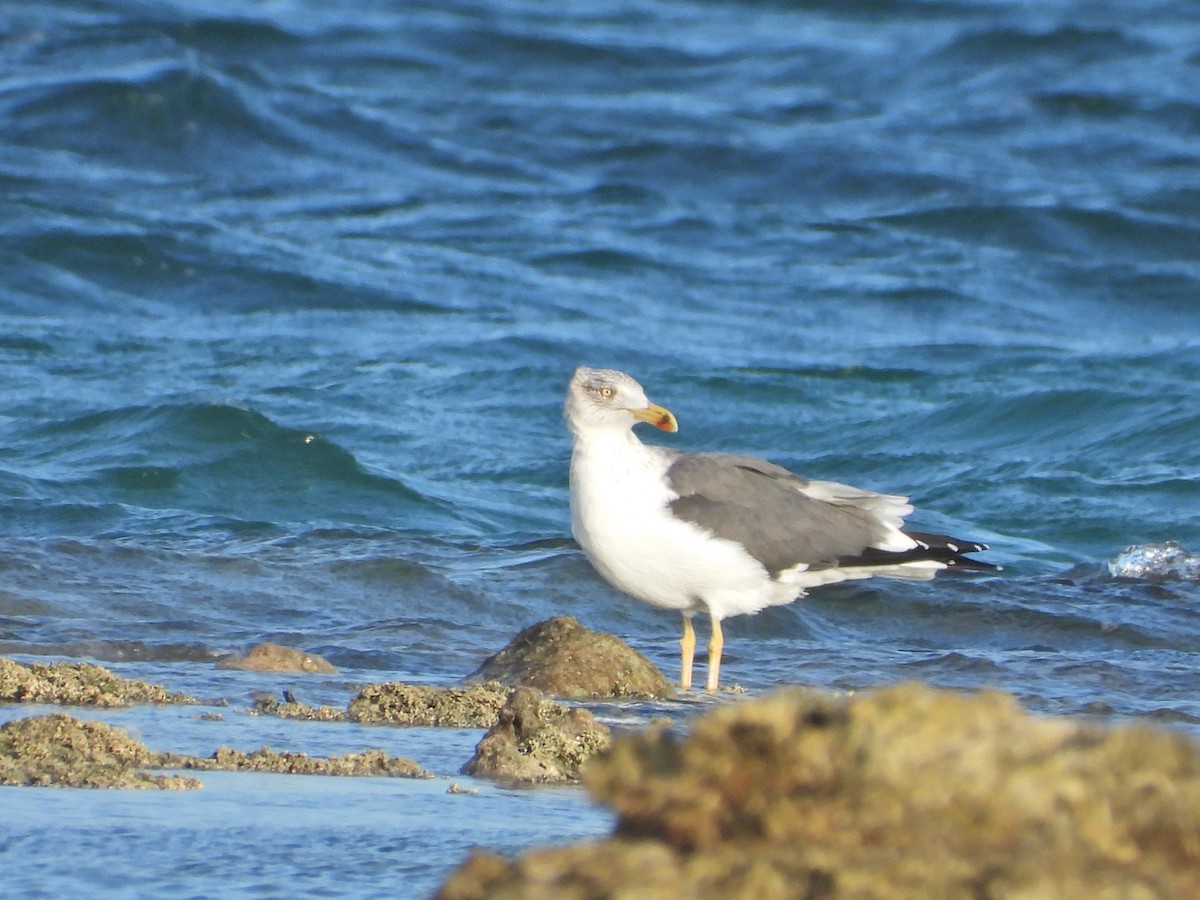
[906,792]
[564,659]
[537,741]
[80,684]
[269,657]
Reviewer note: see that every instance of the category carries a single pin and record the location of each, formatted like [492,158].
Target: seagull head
[606,398]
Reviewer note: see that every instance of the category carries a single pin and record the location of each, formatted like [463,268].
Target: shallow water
[290,296]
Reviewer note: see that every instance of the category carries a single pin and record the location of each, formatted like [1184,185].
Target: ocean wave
[192,264]
[1008,45]
[114,650]
[215,460]
[170,113]
[1111,234]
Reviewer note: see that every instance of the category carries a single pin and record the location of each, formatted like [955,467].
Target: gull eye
[607,393]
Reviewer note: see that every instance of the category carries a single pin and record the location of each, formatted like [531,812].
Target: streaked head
[599,398]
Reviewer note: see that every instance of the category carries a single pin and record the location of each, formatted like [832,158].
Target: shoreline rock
[399,703]
[562,658]
[362,764]
[77,684]
[538,741]
[58,750]
[290,709]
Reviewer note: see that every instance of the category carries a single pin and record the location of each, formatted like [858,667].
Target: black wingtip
[952,552]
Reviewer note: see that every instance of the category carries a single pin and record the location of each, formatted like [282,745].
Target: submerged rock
[397,703]
[80,684]
[905,792]
[269,657]
[61,751]
[538,741]
[562,658]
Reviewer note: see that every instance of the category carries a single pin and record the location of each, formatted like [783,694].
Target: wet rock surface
[268,657]
[366,763]
[562,658]
[538,741]
[397,703]
[290,709]
[61,751]
[905,792]
[81,684]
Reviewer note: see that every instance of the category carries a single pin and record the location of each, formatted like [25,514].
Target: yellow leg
[687,647]
[716,644]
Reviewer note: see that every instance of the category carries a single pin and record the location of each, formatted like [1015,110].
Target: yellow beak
[656,415]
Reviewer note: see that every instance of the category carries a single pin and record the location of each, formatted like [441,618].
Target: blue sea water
[290,292]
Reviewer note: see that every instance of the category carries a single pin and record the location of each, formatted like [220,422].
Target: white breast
[620,517]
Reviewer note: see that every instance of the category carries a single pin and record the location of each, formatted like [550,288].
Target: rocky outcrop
[538,741]
[564,659]
[397,703]
[366,763]
[290,709]
[62,751]
[76,683]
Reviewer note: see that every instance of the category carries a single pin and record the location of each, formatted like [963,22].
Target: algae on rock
[397,703]
[79,684]
[290,709]
[62,751]
[368,762]
[562,658]
[538,741]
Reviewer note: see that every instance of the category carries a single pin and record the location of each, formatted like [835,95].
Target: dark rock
[905,792]
[269,657]
[564,659]
[537,740]
[397,703]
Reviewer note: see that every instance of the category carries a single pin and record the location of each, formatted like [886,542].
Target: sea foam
[1156,562]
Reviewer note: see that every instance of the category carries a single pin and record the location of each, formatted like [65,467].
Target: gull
[721,533]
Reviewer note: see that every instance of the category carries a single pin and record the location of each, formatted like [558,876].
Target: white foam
[1156,562]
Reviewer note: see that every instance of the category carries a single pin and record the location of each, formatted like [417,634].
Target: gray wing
[764,508]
